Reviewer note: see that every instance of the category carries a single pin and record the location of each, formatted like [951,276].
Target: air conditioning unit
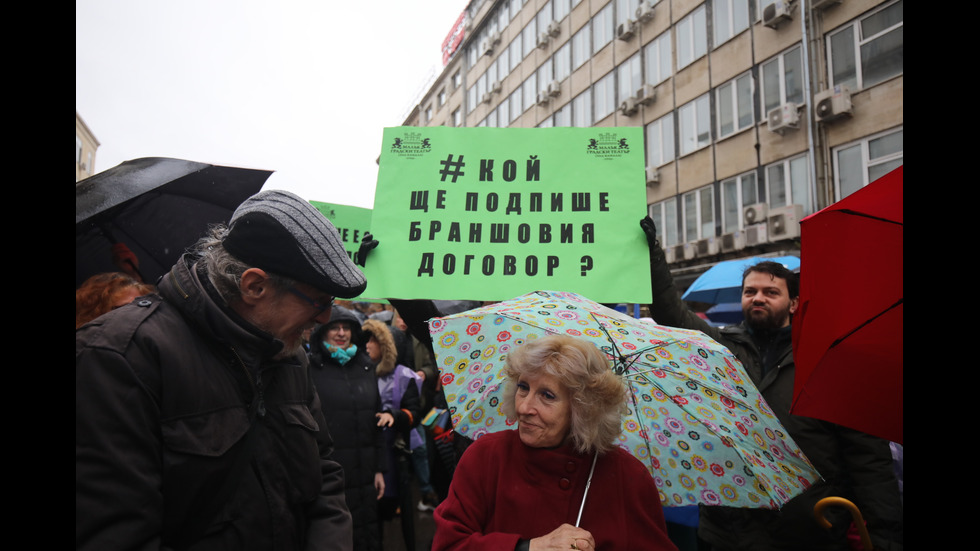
[487,96]
[690,250]
[832,104]
[785,117]
[776,13]
[543,40]
[671,254]
[756,235]
[485,47]
[653,176]
[624,31]
[823,4]
[495,87]
[554,88]
[784,222]
[707,246]
[754,214]
[731,242]
[644,12]
[554,28]
[543,98]
[494,38]
[646,94]
[629,106]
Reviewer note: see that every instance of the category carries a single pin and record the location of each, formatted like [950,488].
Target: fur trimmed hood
[389,354]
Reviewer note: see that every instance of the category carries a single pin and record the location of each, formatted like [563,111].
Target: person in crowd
[104,292]
[400,413]
[853,464]
[558,481]
[196,421]
[345,379]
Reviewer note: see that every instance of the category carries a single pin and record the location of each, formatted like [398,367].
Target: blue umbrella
[727,313]
[723,281]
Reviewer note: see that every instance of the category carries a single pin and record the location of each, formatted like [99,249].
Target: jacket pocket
[208,434]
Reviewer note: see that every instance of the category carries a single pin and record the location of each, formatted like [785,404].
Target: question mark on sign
[586,264]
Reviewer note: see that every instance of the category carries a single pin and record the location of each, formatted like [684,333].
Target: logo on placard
[411,144]
[608,145]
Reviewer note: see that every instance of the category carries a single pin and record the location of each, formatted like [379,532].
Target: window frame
[880,165]
[735,100]
[785,78]
[701,106]
[665,216]
[664,145]
[791,166]
[857,42]
[696,44]
[700,222]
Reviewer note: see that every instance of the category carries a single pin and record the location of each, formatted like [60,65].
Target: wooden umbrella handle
[855,514]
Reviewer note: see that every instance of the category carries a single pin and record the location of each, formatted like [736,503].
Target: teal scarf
[342,356]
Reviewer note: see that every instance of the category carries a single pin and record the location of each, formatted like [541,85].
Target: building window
[857,165]
[782,80]
[562,8]
[695,124]
[457,79]
[78,150]
[730,18]
[788,182]
[692,37]
[660,141]
[442,97]
[545,17]
[530,88]
[629,77]
[869,50]
[529,37]
[545,76]
[582,109]
[581,46]
[604,96]
[734,105]
[699,214]
[428,114]
[657,59]
[736,194]
[664,215]
[603,28]
[563,115]
[563,62]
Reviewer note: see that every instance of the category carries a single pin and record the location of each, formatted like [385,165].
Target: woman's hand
[564,537]
[379,484]
[385,419]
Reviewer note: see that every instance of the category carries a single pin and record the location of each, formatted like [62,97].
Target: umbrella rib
[866,215]
[869,320]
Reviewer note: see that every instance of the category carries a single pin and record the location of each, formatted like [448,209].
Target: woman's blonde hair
[598,398]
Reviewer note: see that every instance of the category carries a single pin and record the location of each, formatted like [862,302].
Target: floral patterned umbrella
[695,419]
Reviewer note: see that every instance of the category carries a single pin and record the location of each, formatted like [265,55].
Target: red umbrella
[847,333]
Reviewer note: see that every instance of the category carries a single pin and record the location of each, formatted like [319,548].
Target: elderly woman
[523,489]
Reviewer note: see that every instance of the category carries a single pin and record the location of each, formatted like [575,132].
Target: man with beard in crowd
[853,464]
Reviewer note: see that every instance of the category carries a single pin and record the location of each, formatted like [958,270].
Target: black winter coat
[164,389]
[350,398]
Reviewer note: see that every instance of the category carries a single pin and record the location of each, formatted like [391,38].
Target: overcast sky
[301,87]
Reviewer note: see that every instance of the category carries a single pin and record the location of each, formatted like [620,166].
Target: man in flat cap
[197,424]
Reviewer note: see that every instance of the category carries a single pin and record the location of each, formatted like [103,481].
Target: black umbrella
[155,206]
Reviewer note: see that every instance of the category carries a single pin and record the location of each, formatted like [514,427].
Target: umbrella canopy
[157,207]
[695,419]
[727,313]
[848,340]
[723,281]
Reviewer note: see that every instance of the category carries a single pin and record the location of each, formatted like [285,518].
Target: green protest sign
[494,213]
[351,222]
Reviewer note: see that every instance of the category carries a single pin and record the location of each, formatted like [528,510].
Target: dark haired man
[853,464]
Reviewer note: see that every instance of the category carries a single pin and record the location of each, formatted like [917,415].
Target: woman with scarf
[348,387]
[401,412]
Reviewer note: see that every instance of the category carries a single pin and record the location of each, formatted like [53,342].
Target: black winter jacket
[350,398]
[164,391]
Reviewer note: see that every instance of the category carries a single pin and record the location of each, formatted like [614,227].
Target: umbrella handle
[586,493]
[855,514]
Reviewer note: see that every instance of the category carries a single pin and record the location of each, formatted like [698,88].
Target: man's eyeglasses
[320,307]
